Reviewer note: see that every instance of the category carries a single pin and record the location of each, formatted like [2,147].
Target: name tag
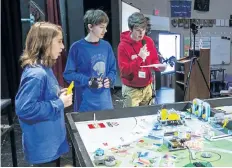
[142,74]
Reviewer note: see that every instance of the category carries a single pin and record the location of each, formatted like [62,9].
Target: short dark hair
[95,17]
[137,19]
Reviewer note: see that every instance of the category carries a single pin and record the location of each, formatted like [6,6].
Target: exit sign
[156,12]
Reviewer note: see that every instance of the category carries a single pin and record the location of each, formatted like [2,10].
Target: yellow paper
[69,90]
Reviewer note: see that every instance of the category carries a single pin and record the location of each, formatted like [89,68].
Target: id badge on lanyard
[142,73]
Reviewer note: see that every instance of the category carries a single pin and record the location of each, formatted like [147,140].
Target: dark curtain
[11,45]
[53,16]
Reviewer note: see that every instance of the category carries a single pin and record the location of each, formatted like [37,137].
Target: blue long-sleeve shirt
[88,60]
[41,115]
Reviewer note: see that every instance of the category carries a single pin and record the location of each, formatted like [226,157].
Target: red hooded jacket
[129,62]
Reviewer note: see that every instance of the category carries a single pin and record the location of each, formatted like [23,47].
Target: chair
[228,80]
[228,85]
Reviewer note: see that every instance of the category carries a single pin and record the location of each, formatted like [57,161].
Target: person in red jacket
[135,50]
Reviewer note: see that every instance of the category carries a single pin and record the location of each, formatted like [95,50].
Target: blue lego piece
[99,152]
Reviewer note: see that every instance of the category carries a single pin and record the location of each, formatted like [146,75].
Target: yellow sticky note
[69,90]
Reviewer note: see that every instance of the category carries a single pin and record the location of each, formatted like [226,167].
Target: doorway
[169,45]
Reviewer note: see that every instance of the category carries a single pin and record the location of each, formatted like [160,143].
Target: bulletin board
[220,49]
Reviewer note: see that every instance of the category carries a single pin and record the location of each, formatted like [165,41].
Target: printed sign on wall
[181,9]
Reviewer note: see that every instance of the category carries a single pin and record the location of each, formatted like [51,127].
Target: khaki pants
[54,163]
[136,96]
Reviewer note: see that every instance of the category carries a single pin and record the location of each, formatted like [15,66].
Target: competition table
[79,124]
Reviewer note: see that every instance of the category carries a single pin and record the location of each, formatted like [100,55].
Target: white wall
[147,6]
[219,9]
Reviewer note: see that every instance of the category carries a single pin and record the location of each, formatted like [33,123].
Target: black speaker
[201,5]
[230,23]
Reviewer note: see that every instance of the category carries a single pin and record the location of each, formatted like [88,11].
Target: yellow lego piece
[188,135]
[225,122]
[164,114]
[69,90]
[203,116]
[176,134]
[173,117]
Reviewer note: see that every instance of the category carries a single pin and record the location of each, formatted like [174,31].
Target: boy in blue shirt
[91,64]
[39,102]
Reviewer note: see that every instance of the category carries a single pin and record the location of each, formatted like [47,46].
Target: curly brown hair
[38,44]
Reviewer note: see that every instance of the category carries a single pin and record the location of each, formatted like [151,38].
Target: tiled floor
[165,95]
